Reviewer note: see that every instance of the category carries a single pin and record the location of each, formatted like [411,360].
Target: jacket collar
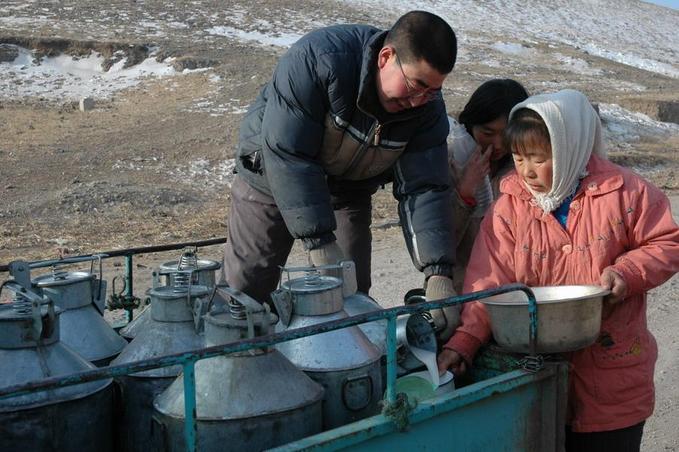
[604,177]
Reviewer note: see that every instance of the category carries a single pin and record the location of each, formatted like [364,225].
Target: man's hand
[439,287]
[612,281]
[450,359]
[328,254]
[445,319]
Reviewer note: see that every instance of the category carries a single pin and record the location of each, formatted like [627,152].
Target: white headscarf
[575,133]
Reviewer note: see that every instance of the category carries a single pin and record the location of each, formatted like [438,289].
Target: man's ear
[383,57]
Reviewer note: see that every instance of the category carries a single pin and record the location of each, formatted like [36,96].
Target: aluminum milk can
[251,400]
[74,418]
[200,272]
[356,303]
[343,361]
[173,326]
[82,326]
[415,333]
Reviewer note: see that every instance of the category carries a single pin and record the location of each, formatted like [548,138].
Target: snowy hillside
[626,31]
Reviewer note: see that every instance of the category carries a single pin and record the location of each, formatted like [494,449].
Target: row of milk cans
[249,400]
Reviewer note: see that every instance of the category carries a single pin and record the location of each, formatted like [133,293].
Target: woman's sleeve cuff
[465,344]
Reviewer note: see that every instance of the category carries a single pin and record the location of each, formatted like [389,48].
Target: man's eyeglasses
[415,92]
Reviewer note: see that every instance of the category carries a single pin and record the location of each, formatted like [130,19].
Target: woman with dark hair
[478,159]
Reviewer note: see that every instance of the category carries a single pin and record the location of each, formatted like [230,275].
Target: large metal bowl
[569,318]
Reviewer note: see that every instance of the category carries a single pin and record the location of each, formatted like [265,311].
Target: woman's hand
[475,170]
[450,359]
[611,280]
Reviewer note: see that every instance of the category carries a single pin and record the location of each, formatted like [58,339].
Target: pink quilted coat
[617,219]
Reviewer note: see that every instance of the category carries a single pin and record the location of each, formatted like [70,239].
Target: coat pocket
[623,366]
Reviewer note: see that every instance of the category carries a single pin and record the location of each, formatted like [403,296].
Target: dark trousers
[258,242]
[622,440]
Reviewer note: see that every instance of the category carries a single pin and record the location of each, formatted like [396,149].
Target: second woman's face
[490,133]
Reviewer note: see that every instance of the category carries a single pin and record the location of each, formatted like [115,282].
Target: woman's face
[490,133]
[534,166]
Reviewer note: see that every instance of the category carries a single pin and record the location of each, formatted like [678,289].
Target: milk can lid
[62,278]
[202,264]
[178,292]
[312,284]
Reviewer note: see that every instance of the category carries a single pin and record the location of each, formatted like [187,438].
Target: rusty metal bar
[132,251]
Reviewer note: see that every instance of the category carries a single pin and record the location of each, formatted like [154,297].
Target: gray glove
[445,319]
[328,254]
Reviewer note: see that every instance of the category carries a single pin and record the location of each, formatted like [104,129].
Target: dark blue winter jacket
[317,127]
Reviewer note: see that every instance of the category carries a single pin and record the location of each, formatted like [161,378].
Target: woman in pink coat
[569,216]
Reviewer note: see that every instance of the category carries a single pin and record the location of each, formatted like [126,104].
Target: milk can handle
[356,404]
[303,269]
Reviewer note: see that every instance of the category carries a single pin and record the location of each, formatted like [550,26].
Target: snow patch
[277,39]
[208,105]
[512,48]
[634,61]
[69,78]
[624,127]
[201,173]
[577,65]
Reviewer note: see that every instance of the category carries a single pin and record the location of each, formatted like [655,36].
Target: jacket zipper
[376,138]
[373,136]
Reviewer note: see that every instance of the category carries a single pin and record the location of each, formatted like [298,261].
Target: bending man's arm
[292,134]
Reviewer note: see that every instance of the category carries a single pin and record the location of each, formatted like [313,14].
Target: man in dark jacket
[348,108]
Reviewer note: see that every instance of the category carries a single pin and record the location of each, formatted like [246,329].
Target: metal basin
[569,318]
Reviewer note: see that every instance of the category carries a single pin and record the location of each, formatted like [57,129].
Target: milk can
[173,326]
[356,303]
[200,272]
[74,418]
[343,361]
[443,321]
[416,344]
[250,400]
[416,339]
[82,326]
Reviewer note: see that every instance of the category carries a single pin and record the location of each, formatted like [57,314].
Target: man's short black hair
[420,35]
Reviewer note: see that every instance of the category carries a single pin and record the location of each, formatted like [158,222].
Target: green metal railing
[188,359]
[128,254]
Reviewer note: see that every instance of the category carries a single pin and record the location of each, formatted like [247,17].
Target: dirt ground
[149,165]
